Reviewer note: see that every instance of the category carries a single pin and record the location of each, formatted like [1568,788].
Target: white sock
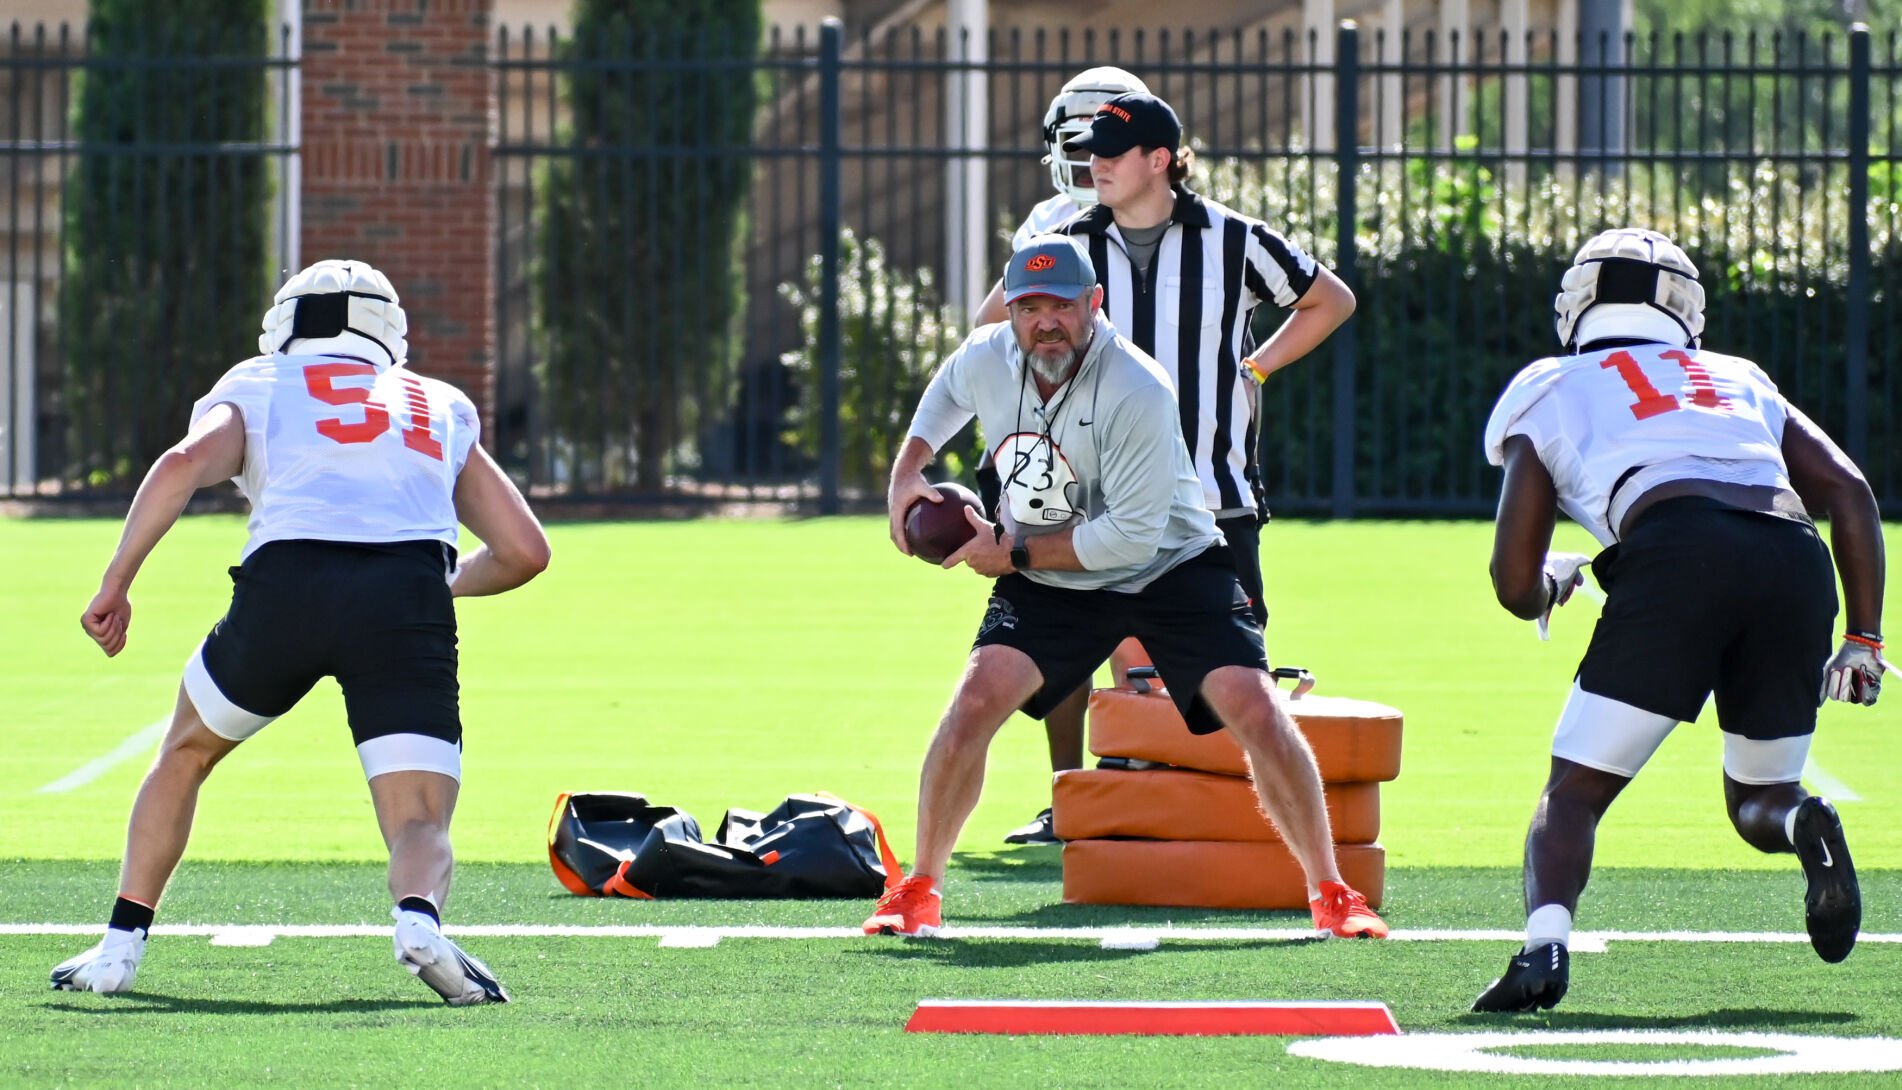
[1548,923]
[1789,825]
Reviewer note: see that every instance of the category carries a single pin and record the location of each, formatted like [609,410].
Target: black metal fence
[145,218]
[1447,179]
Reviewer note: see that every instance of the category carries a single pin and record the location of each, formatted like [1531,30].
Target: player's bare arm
[1528,506]
[211,452]
[992,310]
[908,486]
[1832,487]
[514,549]
[1321,310]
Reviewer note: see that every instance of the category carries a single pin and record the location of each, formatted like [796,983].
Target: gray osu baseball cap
[1049,265]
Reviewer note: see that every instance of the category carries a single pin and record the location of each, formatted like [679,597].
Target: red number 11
[1650,402]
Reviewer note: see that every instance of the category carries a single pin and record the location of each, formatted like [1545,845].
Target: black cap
[1134,120]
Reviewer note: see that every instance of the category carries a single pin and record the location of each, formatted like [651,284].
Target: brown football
[936,530]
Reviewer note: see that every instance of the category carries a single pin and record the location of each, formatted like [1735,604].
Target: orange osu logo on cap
[1117,111]
[1040,263]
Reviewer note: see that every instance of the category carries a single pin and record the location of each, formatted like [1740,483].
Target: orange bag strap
[619,883]
[894,871]
[563,873]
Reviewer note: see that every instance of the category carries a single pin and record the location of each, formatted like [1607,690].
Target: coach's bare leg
[1064,728]
[413,810]
[996,682]
[1286,778]
[1564,831]
[162,813]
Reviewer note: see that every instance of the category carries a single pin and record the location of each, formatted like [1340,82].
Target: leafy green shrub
[165,273]
[638,287]
[893,331]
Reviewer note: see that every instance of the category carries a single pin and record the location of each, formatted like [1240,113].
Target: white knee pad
[1606,734]
[1764,761]
[410,753]
[221,716]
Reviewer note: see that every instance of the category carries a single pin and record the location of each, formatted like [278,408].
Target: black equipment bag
[810,846]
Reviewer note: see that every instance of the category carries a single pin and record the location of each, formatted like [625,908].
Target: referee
[1182,276]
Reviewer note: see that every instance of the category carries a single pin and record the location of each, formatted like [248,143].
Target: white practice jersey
[1612,424]
[337,449]
[1050,213]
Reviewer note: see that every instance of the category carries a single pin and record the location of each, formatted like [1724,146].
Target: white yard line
[691,937]
[133,747]
[1827,785]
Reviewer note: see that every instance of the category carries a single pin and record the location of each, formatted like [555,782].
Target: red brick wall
[396,166]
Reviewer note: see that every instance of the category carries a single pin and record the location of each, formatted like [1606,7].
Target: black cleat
[1041,830]
[1535,980]
[1832,909]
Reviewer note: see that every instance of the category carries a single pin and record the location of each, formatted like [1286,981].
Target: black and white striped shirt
[1212,268]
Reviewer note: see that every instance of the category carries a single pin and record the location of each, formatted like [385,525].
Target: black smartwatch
[1020,555]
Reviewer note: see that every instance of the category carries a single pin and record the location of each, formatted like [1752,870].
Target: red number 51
[318,379]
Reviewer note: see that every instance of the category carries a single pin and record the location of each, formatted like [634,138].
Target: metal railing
[144,223]
[1447,180]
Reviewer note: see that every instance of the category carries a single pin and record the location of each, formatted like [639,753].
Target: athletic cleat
[1535,980]
[1832,908]
[1041,830]
[913,908]
[427,953]
[1341,910]
[106,968]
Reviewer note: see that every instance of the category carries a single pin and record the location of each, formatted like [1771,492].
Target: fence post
[1347,166]
[831,53]
[1856,335]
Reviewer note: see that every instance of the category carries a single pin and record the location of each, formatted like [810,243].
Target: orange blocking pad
[1206,873]
[1354,741]
[1175,804]
[1199,1019]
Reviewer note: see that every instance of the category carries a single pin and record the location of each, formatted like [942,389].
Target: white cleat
[427,953]
[107,968]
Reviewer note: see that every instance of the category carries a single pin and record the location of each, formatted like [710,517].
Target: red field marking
[1195,1019]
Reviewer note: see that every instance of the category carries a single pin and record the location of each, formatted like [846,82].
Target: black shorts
[1243,533]
[1704,598]
[377,617]
[1192,620]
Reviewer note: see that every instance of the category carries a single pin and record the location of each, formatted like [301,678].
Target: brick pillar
[396,166]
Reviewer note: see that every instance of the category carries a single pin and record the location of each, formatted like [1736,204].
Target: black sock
[130,915]
[422,905]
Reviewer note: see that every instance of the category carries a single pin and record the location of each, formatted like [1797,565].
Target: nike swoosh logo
[1084,423]
[1827,861]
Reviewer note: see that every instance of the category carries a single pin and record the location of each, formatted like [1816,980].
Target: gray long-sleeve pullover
[1107,448]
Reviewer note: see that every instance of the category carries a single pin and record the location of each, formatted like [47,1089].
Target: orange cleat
[912,908]
[1341,910]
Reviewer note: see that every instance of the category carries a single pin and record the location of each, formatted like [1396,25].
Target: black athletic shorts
[377,617]
[1243,533]
[1192,620]
[1703,598]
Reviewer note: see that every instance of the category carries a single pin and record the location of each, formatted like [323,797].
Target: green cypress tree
[164,266]
[638,282]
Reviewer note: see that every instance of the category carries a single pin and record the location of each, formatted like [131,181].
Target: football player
[1068,116]
[357,470]
[1700,480]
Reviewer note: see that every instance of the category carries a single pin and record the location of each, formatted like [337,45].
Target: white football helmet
[1630,282]
[1040,490]
[1069,115]
[338,307]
